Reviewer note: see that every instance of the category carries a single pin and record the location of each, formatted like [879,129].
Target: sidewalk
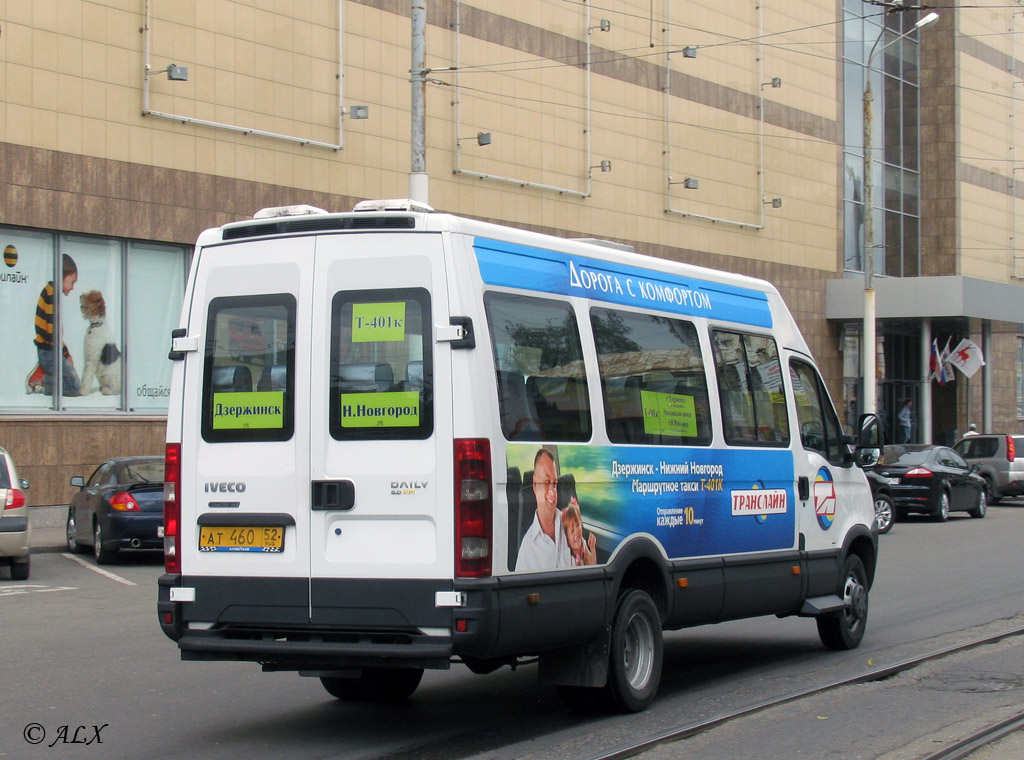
[48,528]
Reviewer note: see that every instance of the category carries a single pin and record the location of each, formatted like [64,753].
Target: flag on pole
[935,364]
[967,357]
[947,366]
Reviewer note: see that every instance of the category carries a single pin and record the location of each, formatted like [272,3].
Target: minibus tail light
[473,508]
[172,508]
[1011,452]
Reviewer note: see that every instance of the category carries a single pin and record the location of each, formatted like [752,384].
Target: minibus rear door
[381,435]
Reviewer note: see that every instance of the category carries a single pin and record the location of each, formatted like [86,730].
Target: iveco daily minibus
[445,441]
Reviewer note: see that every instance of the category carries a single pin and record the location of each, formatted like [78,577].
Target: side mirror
[869,441]
[78,481]
[975,468]
[24,484]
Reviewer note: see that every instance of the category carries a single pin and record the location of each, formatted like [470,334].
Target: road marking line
[100,570]
[31,589]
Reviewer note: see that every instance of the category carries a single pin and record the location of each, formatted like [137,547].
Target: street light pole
[418,177]
[868,348]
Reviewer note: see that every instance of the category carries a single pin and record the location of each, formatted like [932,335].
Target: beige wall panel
[985,234]
[989,24]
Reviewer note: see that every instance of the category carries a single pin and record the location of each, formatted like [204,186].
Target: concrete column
[986,378]
[925,407]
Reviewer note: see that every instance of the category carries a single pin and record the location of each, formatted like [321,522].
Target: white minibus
[400,439]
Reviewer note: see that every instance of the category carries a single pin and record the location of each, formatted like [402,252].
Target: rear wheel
[20,570]
[634,668]
[993,492]
[844,630]
[942,512]
[981,505]
[103,556]
[885,513]
[375,685]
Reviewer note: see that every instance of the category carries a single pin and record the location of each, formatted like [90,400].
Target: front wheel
[844,630]
[634,668]
[885,513]
[375,685]
[980,505]
[71,532]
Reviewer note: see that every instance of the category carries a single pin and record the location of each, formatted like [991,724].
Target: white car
[14,527]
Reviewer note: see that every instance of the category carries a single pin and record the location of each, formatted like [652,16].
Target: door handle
[803,486]
[337,495]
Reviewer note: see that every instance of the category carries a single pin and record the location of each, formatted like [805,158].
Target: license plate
[894,481]
[235,538]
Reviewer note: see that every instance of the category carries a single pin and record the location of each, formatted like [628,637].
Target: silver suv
[14,527]
[1000,459]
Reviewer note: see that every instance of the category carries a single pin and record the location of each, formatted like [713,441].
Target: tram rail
[993,733]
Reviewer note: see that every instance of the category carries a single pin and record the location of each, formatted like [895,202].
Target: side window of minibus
[538,366]
[652,379]
[249,370]
[750,386]
[819,426]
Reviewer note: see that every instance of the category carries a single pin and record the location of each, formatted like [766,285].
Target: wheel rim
[944,506]
[638,651]
[72,541]
[982,502]
[883,513]
[97,537]
[855,597]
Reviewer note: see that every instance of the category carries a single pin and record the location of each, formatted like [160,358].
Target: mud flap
[581,665]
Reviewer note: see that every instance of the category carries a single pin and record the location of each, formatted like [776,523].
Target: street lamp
[868,344]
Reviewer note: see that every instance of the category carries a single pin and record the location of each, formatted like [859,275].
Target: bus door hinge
[459,333]
[181,344]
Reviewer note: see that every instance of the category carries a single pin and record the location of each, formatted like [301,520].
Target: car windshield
[894,455]
[148,471]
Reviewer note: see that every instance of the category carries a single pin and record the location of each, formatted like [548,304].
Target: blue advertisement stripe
[519,266]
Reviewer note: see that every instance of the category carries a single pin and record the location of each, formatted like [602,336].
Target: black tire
[103,556]
[844,630]
[885,513]
[981,505]
[20,570]
[993,492]
[375,685]
[634,666]
[69,535]
[941,513]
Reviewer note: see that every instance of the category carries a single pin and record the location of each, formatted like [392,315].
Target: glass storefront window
[89,315]
[156,288]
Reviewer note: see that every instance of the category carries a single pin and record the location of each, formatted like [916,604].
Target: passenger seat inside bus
[519,419]
[273,378]
[234,379]
[365,377]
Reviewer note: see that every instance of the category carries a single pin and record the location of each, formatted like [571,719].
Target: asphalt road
[82,650]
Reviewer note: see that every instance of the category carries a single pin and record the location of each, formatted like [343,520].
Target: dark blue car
[119,507]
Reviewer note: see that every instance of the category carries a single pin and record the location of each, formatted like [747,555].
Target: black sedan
[881,492]
[119,507]
[933,480]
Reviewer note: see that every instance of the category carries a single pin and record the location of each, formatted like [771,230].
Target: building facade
[720,134]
